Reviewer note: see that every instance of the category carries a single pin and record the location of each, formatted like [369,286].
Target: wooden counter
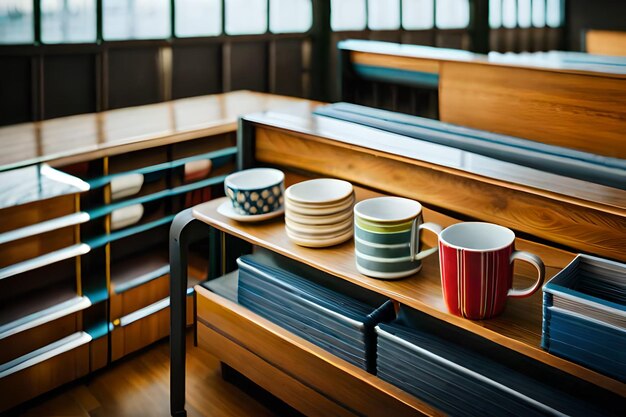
[86,137]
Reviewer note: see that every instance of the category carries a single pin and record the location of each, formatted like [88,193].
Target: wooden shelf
[518,328]
[38,307]
[226,328]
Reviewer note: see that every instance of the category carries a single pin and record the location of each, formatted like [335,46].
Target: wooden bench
[567,99]
[71,284]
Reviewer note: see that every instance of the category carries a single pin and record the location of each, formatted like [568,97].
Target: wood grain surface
[576,111]
[38,211]
[397,62]
[138,386]
[263,373]
[518,328]
[86,137]
[356,390]
[579,225]
[605,42]
[141,333]
[43,377]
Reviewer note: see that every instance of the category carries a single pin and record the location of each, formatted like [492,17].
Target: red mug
[476,261]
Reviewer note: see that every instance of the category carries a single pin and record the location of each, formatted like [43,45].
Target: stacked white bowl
[318,213]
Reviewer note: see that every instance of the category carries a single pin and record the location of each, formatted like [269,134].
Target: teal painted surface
[219,158]
[98,330]
[104,210]
[397,76]
[104,239]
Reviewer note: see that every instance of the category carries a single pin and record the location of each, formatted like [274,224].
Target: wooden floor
[138,386]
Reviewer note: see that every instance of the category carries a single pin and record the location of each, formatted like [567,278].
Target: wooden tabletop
[518,328]
[557,61]
[89,136]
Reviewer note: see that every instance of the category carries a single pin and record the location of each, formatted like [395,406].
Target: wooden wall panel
[577,111]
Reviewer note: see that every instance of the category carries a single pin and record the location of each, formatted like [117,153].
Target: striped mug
[386,237]
[476,261]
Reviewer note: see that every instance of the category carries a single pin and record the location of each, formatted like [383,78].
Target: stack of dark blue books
[327,311]
[584,314]
[462,375]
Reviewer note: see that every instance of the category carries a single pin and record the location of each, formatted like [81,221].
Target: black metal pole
[184,230]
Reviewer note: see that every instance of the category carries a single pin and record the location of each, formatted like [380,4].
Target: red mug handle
[535,261]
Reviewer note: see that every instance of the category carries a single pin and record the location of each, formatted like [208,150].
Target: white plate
[317,229]
[315,243]
[226,209]
[304,219]
[322,191]
[320,211]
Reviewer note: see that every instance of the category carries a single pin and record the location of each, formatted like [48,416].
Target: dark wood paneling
[598,14]
[197,70]
[69,85]
[288,67]
[133,77]
[15,89]
[248,66]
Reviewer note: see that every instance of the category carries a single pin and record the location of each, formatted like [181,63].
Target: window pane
[289,16]
[198,17]
[418,14]
[347,15]
[136,19]
[68,21]
[495,13]
[246,17]
[553,13]
[539,13]
[16,21]
[383,14]
[523,13]
[452,14]
[509,14]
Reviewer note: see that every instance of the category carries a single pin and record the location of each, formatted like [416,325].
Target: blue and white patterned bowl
[255,191]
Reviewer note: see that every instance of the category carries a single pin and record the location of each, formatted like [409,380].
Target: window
[290,16]
[198,17]
[246,17]
[347,15]
[136,19]
[553,13]
[16,21]
[509,14]
[452,14]
[524,13]
[539,13]
[495,13]
[418,14]
[70,21]
[383,14]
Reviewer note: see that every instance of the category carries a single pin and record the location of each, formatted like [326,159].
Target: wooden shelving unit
[63,269]
[518,328]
